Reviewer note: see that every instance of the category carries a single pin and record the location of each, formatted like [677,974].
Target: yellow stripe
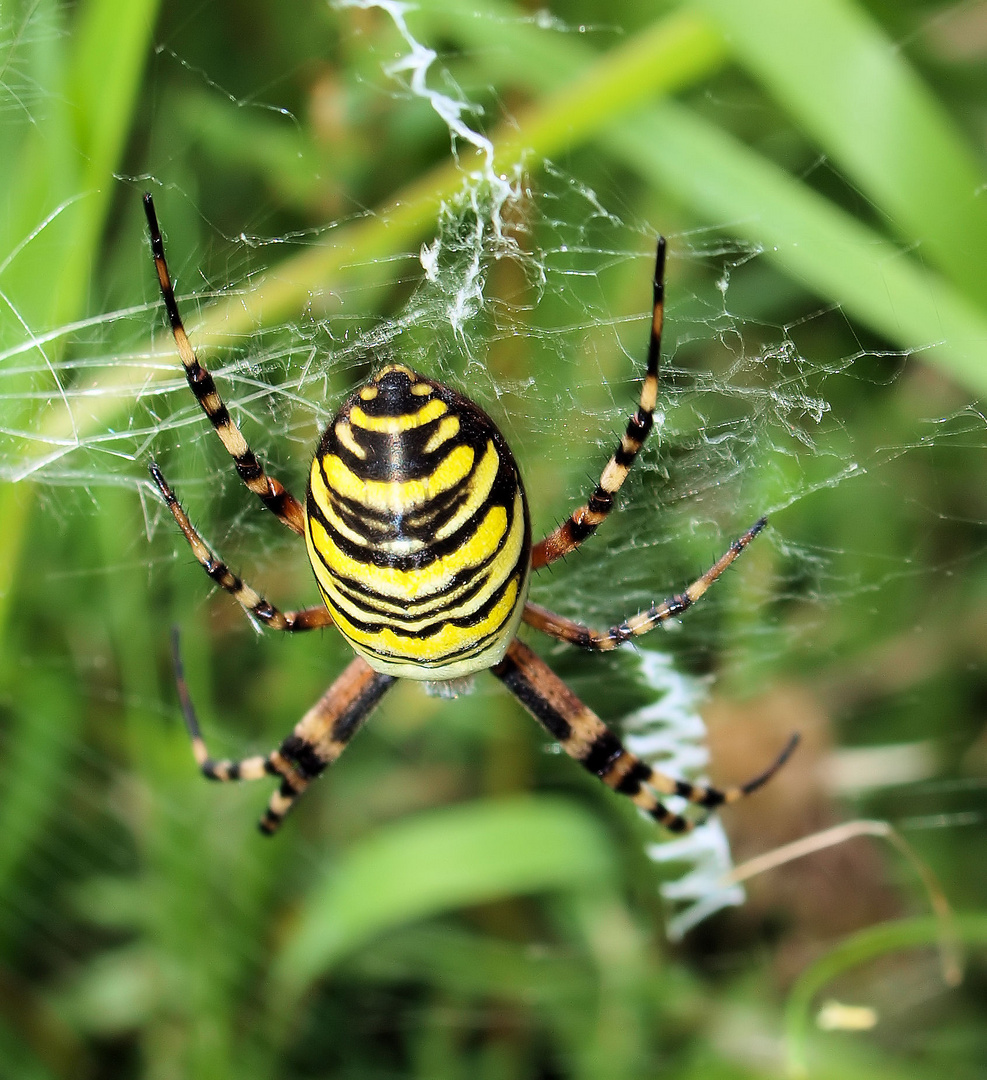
[410,584]
[393,425]
[390,497]
[344,433]
[479,491]
[450,639]
[448,429]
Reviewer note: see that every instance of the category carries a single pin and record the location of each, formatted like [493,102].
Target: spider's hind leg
[319,737]
[584,736]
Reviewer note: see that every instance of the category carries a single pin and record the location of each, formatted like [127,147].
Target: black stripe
[218,571]
[470,582]
[437,620]
[602,753]
[304,756]
[639,425]
[677,604]
[247,466]
[630,783]
[200,380]
[670,821]
[220,418]
[278,503]
[346,724]
[473,648]
[600,502]
[579,530]
[508,671]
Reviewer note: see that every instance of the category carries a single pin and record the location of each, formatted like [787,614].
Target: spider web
[532,298]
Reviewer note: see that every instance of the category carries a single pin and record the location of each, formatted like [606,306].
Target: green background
[452,901]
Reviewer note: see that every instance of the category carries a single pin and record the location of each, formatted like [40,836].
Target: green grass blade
[861,947]
[435,863]
[67,159]
[828,250]
[852,89]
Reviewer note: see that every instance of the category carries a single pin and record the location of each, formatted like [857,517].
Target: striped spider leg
[318,739]
[563,629]
[255,605]
[271,492]
[584,521]
[584,736]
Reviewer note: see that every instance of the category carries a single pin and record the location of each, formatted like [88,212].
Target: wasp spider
[417,528]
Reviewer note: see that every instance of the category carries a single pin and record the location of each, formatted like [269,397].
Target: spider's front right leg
[319,737]
[584,521]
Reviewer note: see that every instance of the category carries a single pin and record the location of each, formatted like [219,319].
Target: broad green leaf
[438,862]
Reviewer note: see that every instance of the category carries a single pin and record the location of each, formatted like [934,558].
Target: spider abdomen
[417,528]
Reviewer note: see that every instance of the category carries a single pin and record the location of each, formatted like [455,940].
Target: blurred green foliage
[452,901]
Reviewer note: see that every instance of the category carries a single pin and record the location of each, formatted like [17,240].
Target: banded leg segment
[584,736]
[583,522]
[271,492]
[319,737]
[251,601]
[557,626]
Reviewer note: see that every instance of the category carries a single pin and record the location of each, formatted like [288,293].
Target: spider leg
[584,521]
[270,491]
[584,736]
[557,626]
[250,600]
[319,737]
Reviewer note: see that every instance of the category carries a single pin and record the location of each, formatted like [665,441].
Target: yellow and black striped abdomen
[417,528]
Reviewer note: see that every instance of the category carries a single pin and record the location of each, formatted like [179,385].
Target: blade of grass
[858,949]
[75,147]
[438,862]
[853,90]
[832,253]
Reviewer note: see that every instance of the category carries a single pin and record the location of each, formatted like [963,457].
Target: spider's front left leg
[582,523]
[251,601]
[271,492]
[319,737]
[584,736]
[557,626]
